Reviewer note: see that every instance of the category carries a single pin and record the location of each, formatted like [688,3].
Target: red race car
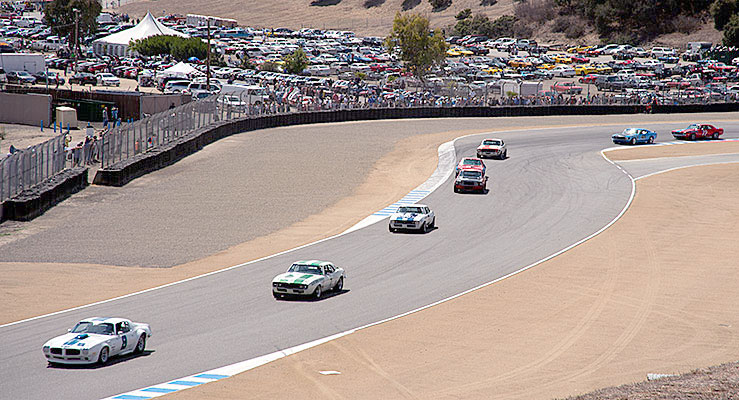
[698,131]
[470,180]
[589,78]
[470,163]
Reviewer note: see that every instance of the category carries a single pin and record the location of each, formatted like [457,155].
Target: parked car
[309,278]
[567,87]
[634,136]
[414,217]
[698,131]
[107,79]
[83,78]
[563,71]
[20,78]
[51,77]
[95,340]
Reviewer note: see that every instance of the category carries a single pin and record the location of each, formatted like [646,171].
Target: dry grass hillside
[295,14]
[376,20]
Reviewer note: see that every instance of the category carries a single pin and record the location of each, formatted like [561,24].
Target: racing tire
[479,156]
[714,136]
[433,224]
[318,293]
[391,229]
[104,356]
[140,345]
[339,285]
[276,295]
[456,190]
[692,136]
[504,155]
[633,141]
[425,227]
[651,140]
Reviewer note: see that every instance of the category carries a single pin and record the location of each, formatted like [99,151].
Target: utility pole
[76,33]
[207,76]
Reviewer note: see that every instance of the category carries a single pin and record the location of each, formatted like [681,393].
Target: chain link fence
[129,139]
[27,168]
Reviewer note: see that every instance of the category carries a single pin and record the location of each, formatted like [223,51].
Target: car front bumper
[475,187]
[90,358]
[405,224]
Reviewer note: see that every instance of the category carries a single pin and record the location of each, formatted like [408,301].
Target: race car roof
[98,320]
[315,263]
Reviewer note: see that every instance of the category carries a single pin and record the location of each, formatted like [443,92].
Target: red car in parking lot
[698,131]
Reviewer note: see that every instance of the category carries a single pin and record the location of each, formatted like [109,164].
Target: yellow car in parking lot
[603,69]
[579,49]
[519,63]
[585,69]
[545,66]
[561,59]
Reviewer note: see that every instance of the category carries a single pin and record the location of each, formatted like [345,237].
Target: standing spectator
[114,114]
[105,116]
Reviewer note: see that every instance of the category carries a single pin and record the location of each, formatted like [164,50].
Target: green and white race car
[308,278]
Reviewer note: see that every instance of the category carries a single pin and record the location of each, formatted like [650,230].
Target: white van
[662,52]
[176,86]
[199,89]
[247,93]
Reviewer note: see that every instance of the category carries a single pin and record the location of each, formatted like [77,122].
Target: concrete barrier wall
[123,172]
[31,203]
[26,109]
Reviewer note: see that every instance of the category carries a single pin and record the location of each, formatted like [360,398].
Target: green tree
[419,47]
[722,10]
[464,14]
[60,16]
[270,66]
[439,5]
[178,47]
[731,31]
[295,62]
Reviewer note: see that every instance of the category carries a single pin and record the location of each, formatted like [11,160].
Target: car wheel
[479,155]
[456,190]
[651,140]
[433,224]
[104,356]
[391,229]
[633,141]
[504,155]
[339,285]
[141,344]
[425,227]
[276,295]
[318,293]
[715,136]
[692,136]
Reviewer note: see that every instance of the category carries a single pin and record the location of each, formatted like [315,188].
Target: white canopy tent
[117,43]
[180,70]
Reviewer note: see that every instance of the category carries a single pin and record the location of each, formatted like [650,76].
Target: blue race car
[634,136]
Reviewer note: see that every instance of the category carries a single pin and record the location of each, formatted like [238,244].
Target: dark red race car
[698,131]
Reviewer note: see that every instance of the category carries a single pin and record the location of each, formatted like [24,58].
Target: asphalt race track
[554,190]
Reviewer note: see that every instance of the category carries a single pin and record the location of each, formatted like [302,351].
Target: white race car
[414,217]
[95,340]
[309,278]
[492,148]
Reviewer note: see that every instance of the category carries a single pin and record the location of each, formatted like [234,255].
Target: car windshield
[471,174]
[492,143]
[630,131]
[306,269]
[471,161]
[407,209]
[694,126]
[89,327]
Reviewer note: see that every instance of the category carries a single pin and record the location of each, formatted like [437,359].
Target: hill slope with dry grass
[375,17]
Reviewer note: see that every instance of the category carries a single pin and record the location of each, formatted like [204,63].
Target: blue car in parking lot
[634,136]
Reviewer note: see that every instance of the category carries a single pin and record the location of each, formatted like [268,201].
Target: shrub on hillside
[721,11]
[373,3]
[731,31]
[440,5]
[409,4]
[488,2]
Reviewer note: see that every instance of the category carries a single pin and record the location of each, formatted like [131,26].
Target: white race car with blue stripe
[309,278]
[414,217]
[95,340]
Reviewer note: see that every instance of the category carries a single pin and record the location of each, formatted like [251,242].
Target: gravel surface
[717,382]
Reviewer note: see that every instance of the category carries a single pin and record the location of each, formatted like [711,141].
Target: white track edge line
[685,166]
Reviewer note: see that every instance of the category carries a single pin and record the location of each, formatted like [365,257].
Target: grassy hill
[377,20]
[295,14]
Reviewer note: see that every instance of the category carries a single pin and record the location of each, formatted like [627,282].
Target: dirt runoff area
[654,293]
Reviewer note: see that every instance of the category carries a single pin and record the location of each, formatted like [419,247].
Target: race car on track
[470,180]
[634,136]
[414,217]
[492,148]
[470,162]
[308,278]
[95,340]
[698,131]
